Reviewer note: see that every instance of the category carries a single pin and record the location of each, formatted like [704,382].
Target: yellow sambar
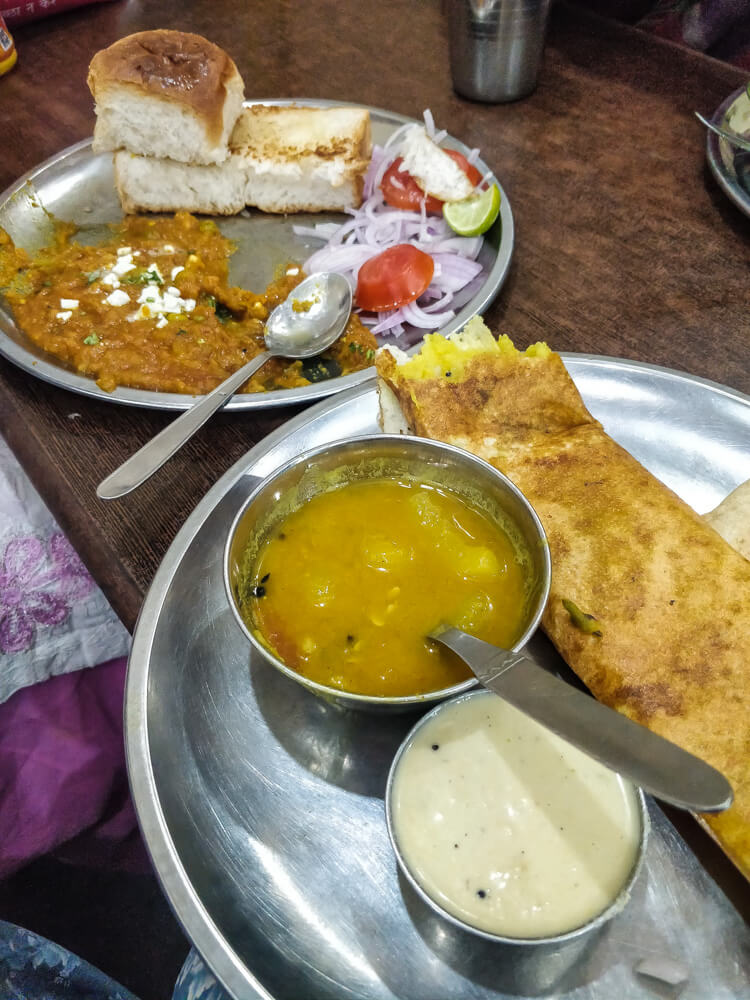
[346,588]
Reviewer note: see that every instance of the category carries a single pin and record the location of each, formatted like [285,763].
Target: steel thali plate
[262,806]
[730,165]
[77,186]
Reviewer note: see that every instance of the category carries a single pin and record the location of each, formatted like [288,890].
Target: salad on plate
[413,243]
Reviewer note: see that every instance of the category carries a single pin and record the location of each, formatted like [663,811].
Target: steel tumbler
[496,47]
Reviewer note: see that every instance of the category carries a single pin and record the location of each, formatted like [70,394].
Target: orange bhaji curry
[151,308]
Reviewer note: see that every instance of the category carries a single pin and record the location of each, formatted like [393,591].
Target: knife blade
[656,764]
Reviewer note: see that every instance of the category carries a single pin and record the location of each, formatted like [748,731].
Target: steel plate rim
[731,189]
[197,922]
[62,378]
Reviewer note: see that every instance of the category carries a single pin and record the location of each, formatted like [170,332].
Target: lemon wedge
[473,216]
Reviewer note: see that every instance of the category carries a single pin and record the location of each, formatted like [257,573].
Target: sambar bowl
[377,457]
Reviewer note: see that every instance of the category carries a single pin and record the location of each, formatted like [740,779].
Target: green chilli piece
[585,622]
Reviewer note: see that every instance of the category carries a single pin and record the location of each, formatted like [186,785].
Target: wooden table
[625,245]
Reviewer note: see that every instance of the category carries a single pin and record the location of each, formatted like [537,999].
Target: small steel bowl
[378,456]
[552,941]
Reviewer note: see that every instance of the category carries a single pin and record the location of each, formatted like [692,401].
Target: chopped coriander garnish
[93,276]
[359,349]
[182,333]
[149,277]
[91,339]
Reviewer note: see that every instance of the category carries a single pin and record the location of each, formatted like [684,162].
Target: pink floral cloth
[38,586]
[53,617]
[63,783]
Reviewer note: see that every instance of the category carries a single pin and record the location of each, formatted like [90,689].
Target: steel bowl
[376,456]
[553,942]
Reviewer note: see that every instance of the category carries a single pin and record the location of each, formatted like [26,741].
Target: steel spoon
[657,765]
[736,140]
[308,322]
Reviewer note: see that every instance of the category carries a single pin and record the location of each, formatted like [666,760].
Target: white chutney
[506,826]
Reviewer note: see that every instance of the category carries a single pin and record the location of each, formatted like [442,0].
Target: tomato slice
[396,276]
[468,168]
[400,190]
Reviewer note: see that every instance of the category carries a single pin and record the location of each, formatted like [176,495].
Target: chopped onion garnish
[376,226]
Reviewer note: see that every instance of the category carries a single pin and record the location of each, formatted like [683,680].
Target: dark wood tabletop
[625,246]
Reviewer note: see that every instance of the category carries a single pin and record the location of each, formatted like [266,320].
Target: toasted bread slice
[282,159]
[303,159]
[165,94]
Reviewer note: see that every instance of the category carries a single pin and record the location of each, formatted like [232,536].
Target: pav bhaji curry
[152,308]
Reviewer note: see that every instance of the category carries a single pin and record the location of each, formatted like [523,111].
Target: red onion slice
[375,227]
[412,313]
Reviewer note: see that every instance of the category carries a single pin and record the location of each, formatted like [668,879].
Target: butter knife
[656,764]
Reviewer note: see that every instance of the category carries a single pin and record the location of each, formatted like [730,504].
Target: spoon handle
[731,137]
[148,459]
[651,761]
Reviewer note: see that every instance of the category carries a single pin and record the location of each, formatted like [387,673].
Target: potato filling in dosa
[656,619]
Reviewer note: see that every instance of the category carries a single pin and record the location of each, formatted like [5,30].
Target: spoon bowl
[310,318]
[305,324]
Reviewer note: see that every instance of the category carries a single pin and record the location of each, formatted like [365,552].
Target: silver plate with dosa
[262,805]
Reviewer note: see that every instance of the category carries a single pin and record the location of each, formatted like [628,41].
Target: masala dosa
[670,597]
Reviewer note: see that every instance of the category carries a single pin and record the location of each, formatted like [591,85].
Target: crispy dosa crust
[672,597]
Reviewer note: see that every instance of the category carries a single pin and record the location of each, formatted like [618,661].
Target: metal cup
[496,47]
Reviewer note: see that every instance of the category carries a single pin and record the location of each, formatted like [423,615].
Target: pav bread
[300,159]
[148,184]
[165,94]
[281,159]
